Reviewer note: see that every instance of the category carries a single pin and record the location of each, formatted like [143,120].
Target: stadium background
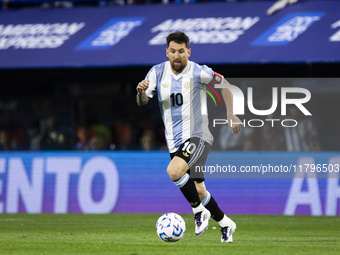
[53,98]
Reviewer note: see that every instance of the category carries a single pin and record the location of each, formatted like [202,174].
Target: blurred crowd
[113,121]
[84,124]
[47,134]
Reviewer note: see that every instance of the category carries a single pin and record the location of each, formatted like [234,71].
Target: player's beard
[178,68]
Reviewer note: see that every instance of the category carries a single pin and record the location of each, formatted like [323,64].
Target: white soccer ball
[170,227]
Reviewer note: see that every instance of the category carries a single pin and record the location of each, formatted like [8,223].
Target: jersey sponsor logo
[204,30]
[287,29]
[37,36]
[110,34]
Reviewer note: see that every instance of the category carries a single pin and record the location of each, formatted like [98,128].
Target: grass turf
[135,234]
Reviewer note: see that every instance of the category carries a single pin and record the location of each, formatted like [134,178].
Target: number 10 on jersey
[176,99]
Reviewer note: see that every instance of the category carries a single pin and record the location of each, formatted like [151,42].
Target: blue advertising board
[137,182]
[220,33]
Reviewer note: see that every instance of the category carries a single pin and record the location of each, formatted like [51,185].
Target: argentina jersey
[182,102]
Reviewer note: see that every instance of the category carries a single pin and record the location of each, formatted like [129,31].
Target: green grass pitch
[135,234]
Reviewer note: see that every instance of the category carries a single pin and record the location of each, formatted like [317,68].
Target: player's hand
[142,87]
[234,123]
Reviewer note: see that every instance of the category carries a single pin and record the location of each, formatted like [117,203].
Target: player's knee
[174,172]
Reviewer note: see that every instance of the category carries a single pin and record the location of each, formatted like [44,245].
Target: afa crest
[165,85]
[187,85]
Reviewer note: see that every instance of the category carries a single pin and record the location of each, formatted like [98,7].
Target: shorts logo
[110,34]
[185,154]
[287,29]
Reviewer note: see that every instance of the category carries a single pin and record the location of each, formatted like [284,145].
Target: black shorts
[195,152]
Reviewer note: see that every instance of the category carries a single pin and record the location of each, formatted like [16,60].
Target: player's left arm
[214,78]
[234,122]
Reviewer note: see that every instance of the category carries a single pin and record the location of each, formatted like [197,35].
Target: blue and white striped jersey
[182,103]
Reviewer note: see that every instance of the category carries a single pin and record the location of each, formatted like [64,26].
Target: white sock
[224,222]
[198,209]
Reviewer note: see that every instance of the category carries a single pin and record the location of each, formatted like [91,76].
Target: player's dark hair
[178,37]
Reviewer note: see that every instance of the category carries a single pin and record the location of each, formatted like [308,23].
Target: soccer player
[177,83]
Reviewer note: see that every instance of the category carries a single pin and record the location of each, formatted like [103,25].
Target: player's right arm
[142,98]
[147,88]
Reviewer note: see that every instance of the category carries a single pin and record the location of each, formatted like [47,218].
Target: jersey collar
[185,70]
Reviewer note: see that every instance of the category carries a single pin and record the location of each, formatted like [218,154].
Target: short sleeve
[208,76]
[151,76]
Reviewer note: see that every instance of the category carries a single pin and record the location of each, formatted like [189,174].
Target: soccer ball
[170,227]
